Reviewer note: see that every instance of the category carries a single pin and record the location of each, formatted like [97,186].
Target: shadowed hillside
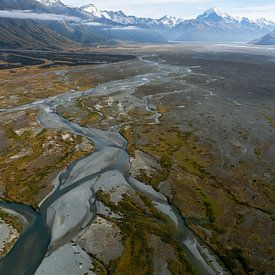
[21,5]
[22,33]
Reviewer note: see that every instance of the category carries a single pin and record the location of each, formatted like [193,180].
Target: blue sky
[184,8]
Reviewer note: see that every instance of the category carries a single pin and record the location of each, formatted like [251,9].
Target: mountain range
[52,24]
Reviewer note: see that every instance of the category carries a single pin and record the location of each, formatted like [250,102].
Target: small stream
[42,232]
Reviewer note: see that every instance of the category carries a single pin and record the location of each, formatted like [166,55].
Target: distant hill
[268,39]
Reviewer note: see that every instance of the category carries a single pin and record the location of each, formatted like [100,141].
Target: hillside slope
[21,5]
[268,39]
[25,33]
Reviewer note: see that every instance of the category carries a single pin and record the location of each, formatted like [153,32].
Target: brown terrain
[210,151]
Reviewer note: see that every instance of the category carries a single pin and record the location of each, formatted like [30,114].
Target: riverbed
[66,213]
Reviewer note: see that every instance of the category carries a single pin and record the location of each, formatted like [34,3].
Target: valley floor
[199,124]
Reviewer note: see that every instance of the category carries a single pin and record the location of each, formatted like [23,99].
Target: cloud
[128,28]
[26,14]
[92,24]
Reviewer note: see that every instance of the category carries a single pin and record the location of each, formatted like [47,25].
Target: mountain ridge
[268,39]
[28,34]
[96,26]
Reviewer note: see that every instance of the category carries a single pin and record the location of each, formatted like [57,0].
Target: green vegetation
[270,192]
[270,119]
[92,116]
[158,177]
[172,148]
[137,224]
[99,267]
[258,152]
[12,220]
[31,162]
[209,204]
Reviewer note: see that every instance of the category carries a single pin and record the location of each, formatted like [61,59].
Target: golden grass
[211,205]
[137,224]
[28,177]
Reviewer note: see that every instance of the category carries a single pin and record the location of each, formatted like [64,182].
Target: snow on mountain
[263,23]
[213,25]
[216,15]
[51,3]
[170,21]
[216,26]
[212,17]
[123,19]
[115,16]
[118,17]
[212,11]
[93,11]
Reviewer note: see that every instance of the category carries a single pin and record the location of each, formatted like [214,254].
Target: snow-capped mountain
[215,15]
[51,3]
[262,22]
[58,7]
[211,20]
[92,11]
[170,21]
[118,17]
[96,26]
[216,26]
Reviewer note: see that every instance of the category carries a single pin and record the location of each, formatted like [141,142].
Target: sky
[184,8]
